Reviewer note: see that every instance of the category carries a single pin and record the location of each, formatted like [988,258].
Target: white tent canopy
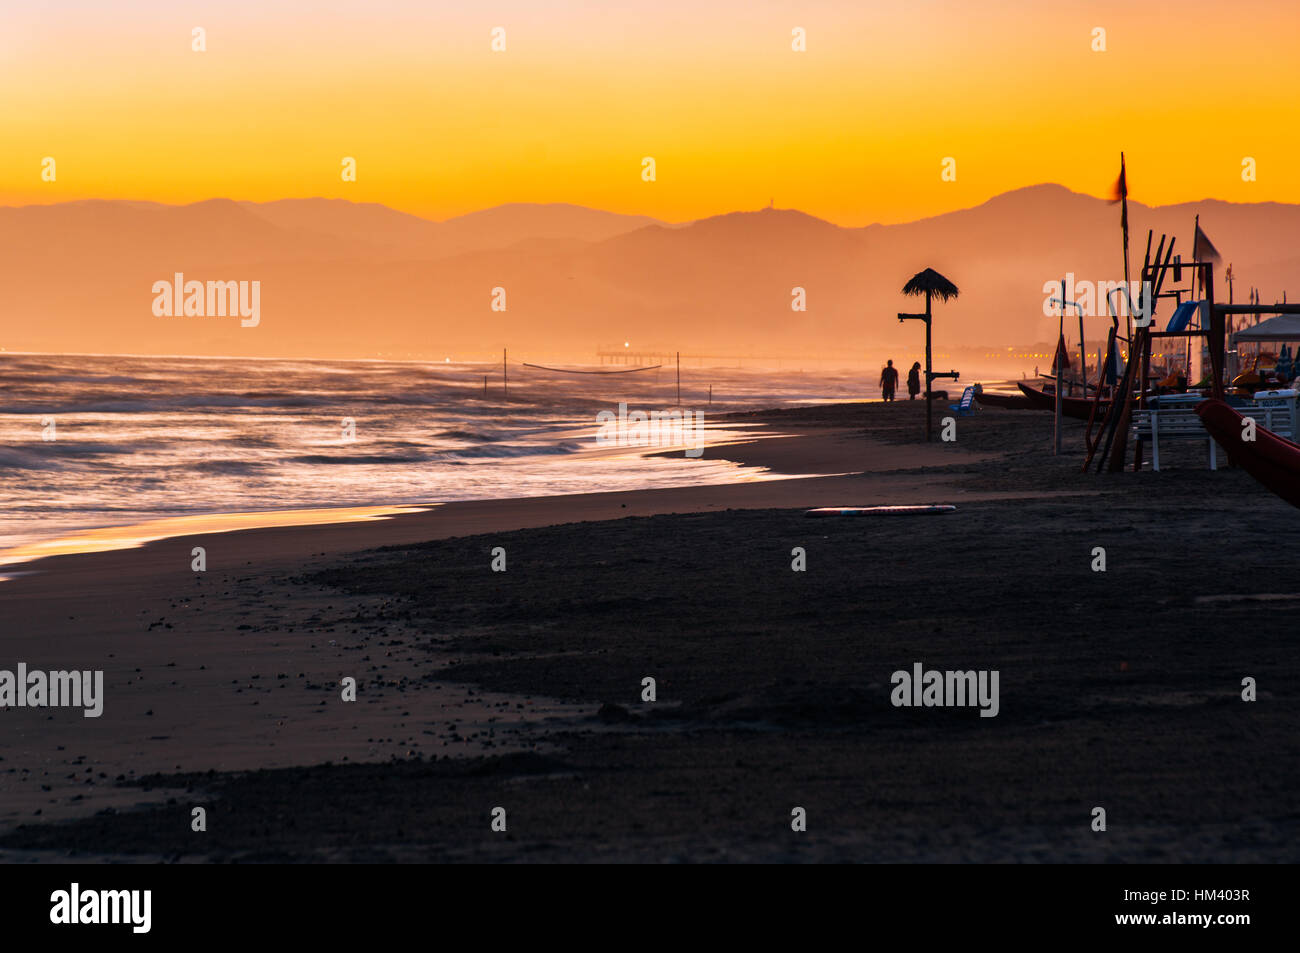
[1285,327]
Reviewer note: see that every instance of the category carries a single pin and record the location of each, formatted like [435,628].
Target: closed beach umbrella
[1062,359]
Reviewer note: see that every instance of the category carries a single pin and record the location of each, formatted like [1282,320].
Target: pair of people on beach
[889,381]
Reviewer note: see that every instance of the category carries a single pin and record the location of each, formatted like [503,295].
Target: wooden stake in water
[484,385]
[710,395]
[505,374]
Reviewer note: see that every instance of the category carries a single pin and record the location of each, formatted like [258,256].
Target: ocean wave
[65,405]
[7,380]
[145,437]
[348,403]
[12,458]
[470,435]
[53,452]
[460,455]
[230,467]
[360,459]
[515,450]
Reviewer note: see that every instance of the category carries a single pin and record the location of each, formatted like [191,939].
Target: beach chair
[966,406]
[1275,410]
[1182,316]
[1171,417]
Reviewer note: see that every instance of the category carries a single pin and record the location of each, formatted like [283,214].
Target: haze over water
[140,439]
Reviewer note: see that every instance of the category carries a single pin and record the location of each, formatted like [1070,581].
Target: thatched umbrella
[933,285]
[930,283]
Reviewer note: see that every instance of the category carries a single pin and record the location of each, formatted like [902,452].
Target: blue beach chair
[967,405]
[1183,314]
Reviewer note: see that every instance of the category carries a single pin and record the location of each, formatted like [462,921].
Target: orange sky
[853,130]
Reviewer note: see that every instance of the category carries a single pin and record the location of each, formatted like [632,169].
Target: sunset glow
[853,130]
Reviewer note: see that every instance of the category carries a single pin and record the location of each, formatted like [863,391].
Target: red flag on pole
[1119,193]
[1202,249]
[1062,359]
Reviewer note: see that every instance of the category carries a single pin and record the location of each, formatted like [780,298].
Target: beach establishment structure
[1285,327]
[1138,412]
[1256,421]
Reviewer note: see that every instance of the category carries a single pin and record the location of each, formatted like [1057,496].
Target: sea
[94,441]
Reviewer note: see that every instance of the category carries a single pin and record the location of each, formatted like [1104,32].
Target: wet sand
[522,689]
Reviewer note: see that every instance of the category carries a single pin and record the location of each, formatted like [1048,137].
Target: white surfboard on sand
[932,508]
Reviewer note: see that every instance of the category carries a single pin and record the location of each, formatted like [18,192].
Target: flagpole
[1196,252]
[1230,372]
[1123,219]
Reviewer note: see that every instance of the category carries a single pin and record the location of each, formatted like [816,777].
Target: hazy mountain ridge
[343,279]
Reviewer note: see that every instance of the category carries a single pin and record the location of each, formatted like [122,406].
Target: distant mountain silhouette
[342,279]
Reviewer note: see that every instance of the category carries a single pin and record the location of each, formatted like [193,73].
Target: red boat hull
[1080,408]
[1272,460]
[1015,401]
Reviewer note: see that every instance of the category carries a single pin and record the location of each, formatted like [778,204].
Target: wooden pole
[1103,371]
[1060,373]
[1117,425]
[929,381]
[1140,398]
[1106,434]
[505,374]
[1143,382]
[1108,362]
[1198,288]
[1216,336]
[1196,254]
[1231,363]
[1122,409]
[1083,356]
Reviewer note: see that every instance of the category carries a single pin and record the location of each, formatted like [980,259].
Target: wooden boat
[1272,460]
[1012,401]
[1079,408]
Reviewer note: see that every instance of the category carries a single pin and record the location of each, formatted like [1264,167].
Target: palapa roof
[933,282]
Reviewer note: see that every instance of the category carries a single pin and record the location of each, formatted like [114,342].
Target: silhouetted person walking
[914,381]
[888,380]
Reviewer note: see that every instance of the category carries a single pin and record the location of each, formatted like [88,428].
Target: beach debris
[612,713]
[921,510]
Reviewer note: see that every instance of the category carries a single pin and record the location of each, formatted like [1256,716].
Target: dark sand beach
[522,689]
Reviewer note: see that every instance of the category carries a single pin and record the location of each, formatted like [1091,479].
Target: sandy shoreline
[806,452]
[237,669]
[143,616]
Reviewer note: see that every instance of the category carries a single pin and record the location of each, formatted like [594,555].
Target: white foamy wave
[140,438]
